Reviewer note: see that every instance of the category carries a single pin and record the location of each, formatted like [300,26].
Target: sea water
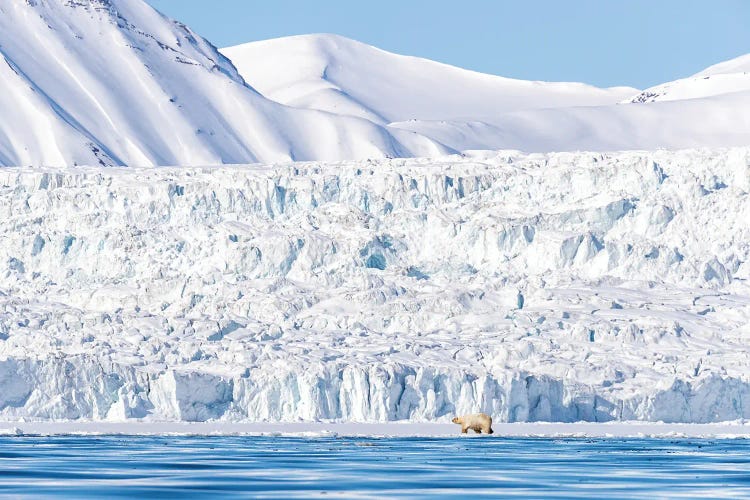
[287,467]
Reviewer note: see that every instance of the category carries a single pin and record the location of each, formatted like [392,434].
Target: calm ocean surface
[284,467]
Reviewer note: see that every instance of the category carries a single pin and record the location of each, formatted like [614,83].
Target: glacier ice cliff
[555,287]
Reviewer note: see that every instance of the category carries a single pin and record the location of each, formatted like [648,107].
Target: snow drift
[557,287]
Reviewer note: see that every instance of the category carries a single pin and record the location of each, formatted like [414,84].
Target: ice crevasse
[555,287]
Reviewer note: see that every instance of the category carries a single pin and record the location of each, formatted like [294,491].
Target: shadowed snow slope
[563,287]
[469,110]
[114,82]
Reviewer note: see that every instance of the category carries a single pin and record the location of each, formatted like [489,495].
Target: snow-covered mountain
[467,110]
[343,76]
[739,64]
[723,78]
[115,82]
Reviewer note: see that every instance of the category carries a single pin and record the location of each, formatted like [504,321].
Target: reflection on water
[283,467]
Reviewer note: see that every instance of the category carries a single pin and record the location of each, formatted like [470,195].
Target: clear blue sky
[603,42]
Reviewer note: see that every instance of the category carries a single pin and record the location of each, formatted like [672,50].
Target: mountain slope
[114,81]
[739,64]
[467,110]
[722,78]
[341,75]
[719,121]
[32,131]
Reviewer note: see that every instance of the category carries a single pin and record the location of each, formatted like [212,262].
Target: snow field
[159,94]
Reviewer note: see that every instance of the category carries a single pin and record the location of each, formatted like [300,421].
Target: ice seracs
[548,286]
[544,287]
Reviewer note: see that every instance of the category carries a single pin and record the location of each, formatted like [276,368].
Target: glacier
[535,287]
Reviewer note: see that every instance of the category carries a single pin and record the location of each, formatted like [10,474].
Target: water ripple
[288,467]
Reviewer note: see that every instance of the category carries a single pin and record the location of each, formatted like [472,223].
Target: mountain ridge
[115,82]
[297,67]
[726,77]
[467,110]
[159,95]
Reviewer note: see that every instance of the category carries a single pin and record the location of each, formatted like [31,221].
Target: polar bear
[478,422]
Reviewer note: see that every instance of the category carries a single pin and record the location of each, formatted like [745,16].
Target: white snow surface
[343,76]
[467,110]
[113,82]
[724,430]
[740,64]
[544,287]
[724,78]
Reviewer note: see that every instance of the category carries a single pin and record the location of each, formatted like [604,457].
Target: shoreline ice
[725,430]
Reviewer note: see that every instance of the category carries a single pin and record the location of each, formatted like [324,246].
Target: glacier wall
[556,287]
